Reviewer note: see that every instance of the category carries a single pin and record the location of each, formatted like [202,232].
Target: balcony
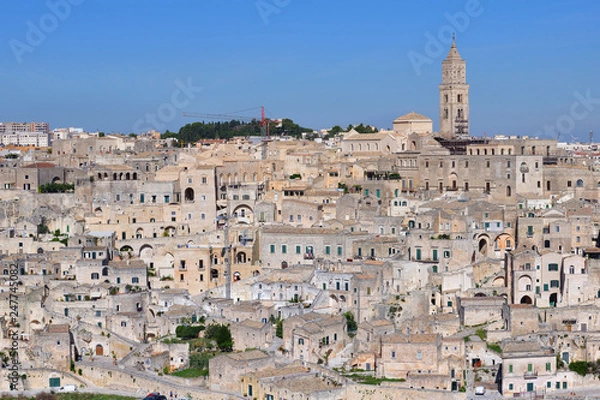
[309,256]
[530,375]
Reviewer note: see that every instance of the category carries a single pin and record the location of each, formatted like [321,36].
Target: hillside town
[405,263]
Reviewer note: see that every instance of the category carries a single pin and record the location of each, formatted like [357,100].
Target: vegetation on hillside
[191,133]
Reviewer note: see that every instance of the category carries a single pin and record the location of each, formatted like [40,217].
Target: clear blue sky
[108,64]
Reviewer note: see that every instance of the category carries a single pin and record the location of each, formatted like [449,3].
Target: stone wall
[364,392]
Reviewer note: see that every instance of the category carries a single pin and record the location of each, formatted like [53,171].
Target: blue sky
[123,66]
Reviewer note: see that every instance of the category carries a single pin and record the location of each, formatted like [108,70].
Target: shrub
[221,335]
[56,188]
[580,367]
[481,333]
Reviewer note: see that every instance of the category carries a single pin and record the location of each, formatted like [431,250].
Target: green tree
[362,128]
[101,134]
[335,130]
[188,332]
[221,335]
[580,367]
[279,329]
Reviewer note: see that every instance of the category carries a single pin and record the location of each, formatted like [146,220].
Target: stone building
[527,367]
[249,334]
[227,369]
[313,336]
[53,347]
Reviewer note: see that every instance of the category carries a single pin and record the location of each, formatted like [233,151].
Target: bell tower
[454,96]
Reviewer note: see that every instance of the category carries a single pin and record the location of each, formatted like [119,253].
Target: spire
[453,53]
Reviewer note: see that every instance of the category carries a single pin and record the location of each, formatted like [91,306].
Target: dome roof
[412,116]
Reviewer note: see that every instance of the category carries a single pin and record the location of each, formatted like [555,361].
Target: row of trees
[360,128]
[196,131]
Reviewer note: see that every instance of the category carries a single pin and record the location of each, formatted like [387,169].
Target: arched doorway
[99,350]
[526,300]
[483,246]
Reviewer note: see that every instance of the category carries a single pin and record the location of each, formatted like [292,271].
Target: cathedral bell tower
[454,96]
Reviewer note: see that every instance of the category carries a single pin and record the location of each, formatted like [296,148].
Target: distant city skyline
[123,67]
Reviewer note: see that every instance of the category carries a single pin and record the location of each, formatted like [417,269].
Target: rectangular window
[552,267]
[435,254]
[545,287]
[510,368]
[272,248]
[446,253]
[327,250]
[298,249]
[284,248]
[548,366]
[142,198]
[529,367]
[340,250]
[554,283]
